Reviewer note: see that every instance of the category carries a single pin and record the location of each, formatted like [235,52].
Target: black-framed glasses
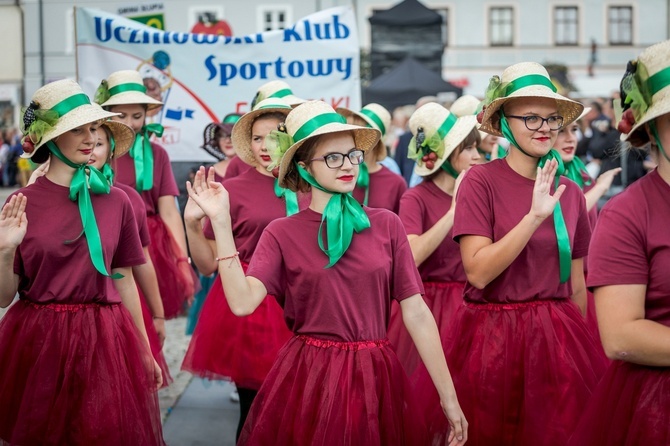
[335,160]
[534,122]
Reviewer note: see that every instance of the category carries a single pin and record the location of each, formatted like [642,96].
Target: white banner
[203,77]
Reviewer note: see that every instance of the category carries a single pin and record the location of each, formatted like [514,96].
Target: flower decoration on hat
[495,90]
[635,96]
[36,123]
[426,150]
[277,143]
[102,94]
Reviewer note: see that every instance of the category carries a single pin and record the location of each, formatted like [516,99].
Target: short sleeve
[267,264]
[474,212]
[405,278]
[167,185]
[129,249]
[411,214]
[617,255]
[582,238]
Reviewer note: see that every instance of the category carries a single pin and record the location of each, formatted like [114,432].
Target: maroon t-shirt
[140,212]
[164,182]
[236,167]
[51,270]
[253,205]
[350,301]
[492,200]
[631,244]
[386,188]
[420,208]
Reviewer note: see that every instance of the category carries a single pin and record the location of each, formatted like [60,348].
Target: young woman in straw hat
[147,169]
[337,381]
[527,361]
[443,147]
[488,147]
[145,274]
[566,145]
[377,186]
[224,345]
[628,269]
[81,371]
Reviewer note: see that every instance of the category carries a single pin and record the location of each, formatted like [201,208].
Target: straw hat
[433,119]
[524,80]
[302,124]
[124,136]
[122,88]
[376,117]
[648,77]
[242,130]
[466,105]
[67,103]
[277,89]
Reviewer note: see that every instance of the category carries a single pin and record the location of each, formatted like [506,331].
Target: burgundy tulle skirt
[334,393]
[176,279]
[523,373]
[630,407]
[75,374]
[443,299]
[154,341]
[243,349]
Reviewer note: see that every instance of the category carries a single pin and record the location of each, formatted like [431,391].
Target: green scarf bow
[87,177]
[143,156]
[364,180]
[562,237]
[343,215]
[290,197]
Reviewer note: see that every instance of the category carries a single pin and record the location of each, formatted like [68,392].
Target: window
[566,25]
[620,25]
[501,26]
[274,17]
[444,12]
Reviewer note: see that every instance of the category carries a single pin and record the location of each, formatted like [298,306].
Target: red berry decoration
[627,122]
[424,158]
[430,164]
[480,115]
[432,156]
[28,146]
[275,172]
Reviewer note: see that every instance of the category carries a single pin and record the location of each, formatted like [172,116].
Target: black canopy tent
[407,13]
[405,83]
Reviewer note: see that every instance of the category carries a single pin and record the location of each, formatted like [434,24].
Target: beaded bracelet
[184,259]
[159,317]
[231,258]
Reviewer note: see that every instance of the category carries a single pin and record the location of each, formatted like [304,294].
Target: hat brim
[364,138]
[132,97]
[241,134]
[660,105]
[454,138]
[380,149]
[84,114]
[124,137]
[569,109]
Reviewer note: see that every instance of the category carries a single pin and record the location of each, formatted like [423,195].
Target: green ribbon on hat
[67,105]
[290,197]
[143,156]
[575,170]
[375,118]
[317,122]
[659,81]
[364,180]
[87,178]
[343,215]
[124,88]
[231,119]
[528,81]
[561,230]
[281,93]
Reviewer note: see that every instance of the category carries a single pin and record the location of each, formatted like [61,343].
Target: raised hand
[605,179]
[210,196]
[192,211]
[543,202]
[13,222]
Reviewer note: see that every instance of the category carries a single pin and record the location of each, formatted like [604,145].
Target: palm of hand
[192,211]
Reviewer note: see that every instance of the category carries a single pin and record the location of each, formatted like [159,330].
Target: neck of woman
[373,165]
[263,170]
[319,200]
[524,165]
[59,172]
[445,182]
[663,167]
[221,166]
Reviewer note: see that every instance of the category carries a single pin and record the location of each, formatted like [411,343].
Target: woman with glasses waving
[334,268]
[527,361]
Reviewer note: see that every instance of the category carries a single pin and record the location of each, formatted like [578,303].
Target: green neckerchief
[87,177]
[108,173]
[575,170]
[364,180]
[343,215]
[502,153]
[290,197]
[654,132]
[562,237]
[447,167]
[143,155]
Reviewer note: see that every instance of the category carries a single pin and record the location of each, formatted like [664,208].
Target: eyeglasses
[225,136]
[336,160]
[534,122]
